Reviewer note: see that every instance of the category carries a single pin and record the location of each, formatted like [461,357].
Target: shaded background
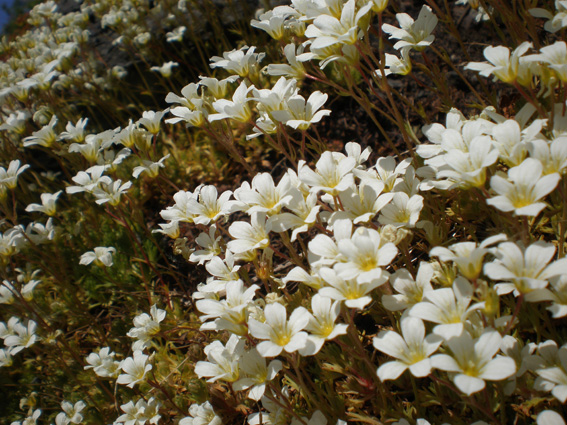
[5,6]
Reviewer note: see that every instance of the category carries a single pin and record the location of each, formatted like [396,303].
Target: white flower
[23,336]
[71,413]
[402,211]
[527,270]
[364,254]
[167,68]
[414,34]
[9,177]
[88,180]
[303,215]
[102,256]
[210,244]
[523,189]
[412,349]
[75,132]
[294,68]
[207,208]
[134,368]
[448,307]
[44,137]
[264,196]
[222,361]
[327,30]
[140,413]
[355,294]
[385,171]
[145,327]
[467,255]
[7,292]
[6,359]
[237,108]
[193,110]
[280,334]
[324,249]
[468,169]
[229,314]
[395,65]
[222,272]
[554,22]
[505,67]
[550,365]
[272,23]
[555,57]
[512,142]
[473,361]
[181,211]
[201,414]
[250,236]
[111,193]
[151,168]
[552,155]
[558,296]
[331,175]
[300,114]
[30,420]
[549,417]
[176,35]
[242,61]
[322,326]
[103,363]
[361,203]
[47,204]
[256,374]
[410,291]
[151,120]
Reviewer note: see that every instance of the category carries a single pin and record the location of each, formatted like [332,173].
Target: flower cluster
[417,274]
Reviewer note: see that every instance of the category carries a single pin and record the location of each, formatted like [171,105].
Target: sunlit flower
[331,175]
[525,271]
[448,307]
[146,326]
[300,114]
[241,61]
[472,361]
[47,204]
[103,363]
[255,374]
[504,66]
[355,294]
[414,34]
[222,360]
[44,137]
[101,256]
[412,349]
[166,69]
[554,22]
[135,369]
[467,255]
[201,414]
[363,256]
[524,188]
[237,108]
[278,332]
[140,413]
[410,291]
[71,413]
[322,326]
[9,177]
[250,236]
